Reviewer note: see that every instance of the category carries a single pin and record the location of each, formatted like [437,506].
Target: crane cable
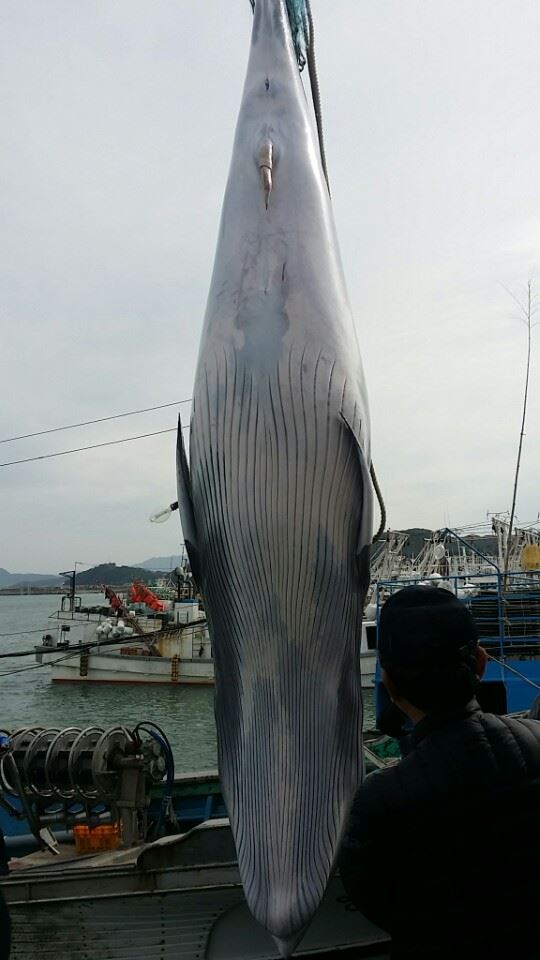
[316,90]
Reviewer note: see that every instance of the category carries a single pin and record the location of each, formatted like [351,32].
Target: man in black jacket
[443,850]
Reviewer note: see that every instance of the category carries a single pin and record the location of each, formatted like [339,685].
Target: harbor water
[28,698]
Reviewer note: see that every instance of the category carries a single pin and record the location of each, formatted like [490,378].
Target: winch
[95,776]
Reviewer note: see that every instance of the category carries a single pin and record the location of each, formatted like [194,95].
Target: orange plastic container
[96,839]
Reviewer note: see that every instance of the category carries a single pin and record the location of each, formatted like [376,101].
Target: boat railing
[78,616]
[506,608]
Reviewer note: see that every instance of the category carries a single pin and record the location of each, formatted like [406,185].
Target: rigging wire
[92,446]
[92,644]
[37,666]
[316,92]
[87,423]
[309,29]
[507,666]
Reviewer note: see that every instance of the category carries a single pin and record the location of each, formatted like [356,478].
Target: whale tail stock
[299,15]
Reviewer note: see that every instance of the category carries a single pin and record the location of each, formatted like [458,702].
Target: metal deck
[179,898]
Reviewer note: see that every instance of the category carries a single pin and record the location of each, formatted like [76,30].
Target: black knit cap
[421,626]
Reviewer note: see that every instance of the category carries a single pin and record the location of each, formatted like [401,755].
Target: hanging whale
[276,503]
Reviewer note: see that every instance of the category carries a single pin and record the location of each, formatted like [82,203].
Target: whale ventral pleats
[276,501]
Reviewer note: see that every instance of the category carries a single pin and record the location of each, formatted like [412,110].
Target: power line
[93,446]
[87,423]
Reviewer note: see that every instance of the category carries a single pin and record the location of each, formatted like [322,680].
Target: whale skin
[276,503]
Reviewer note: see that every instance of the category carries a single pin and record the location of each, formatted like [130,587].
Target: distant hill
[415,540]
[163,564]
[112,575]
[29,579]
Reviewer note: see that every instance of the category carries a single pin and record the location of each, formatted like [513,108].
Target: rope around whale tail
[303,34]
[299,16]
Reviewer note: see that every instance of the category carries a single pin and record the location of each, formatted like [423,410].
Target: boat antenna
[526,314]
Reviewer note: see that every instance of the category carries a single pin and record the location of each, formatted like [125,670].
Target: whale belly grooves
[276,504]
[279,494]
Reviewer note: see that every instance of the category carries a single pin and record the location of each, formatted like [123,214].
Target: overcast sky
[117,118]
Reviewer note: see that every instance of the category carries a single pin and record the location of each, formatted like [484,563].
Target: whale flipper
[363,550]
[185,506]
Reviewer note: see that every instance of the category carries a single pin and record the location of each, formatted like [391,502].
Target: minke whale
[276,502]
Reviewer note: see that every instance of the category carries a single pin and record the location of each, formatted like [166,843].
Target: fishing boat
[178,899]
[477,549]
[144,639]
[182,899]
[505,605]
[137,639]
[121,858]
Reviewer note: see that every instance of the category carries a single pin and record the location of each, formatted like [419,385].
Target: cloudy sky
[117,119]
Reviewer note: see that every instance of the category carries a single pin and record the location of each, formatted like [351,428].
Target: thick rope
[296,10]
[382,505]
[303,30]
[316,91]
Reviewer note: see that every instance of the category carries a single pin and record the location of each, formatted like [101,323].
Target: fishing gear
[74,776]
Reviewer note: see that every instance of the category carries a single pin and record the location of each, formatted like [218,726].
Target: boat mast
[527,311]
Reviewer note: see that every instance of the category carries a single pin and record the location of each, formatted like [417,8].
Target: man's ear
[481,662]
[389,684]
